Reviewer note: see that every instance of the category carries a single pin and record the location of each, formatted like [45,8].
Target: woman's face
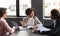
[32,14]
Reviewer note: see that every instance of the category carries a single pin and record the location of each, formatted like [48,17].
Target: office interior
[38,5]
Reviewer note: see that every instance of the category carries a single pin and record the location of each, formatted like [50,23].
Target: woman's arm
[23,22]
[38,21]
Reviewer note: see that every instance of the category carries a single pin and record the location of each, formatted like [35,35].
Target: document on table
[29,27]
[23,28]
[41,28]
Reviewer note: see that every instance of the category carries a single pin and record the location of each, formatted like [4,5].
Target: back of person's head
[55,14]
[29,11]
[2,11]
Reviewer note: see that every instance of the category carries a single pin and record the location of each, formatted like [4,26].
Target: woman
[4,27]
[55,16]
[32,20]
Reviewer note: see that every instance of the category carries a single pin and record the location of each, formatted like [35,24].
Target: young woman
[4,27]
[55,16]
[32,20]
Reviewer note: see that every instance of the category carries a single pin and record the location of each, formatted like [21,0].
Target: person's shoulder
[36,17]
[2,22]
[58,20]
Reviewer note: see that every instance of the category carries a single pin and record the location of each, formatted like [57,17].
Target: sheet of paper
[29,27]
[41,28]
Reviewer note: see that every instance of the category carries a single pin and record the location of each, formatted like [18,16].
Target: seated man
[4,27]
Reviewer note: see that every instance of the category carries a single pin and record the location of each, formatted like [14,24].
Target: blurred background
[16,9]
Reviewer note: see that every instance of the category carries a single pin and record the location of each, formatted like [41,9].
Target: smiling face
[32,14]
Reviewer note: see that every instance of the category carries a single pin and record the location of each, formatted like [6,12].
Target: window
[48,5]
[23,5]
[10,5]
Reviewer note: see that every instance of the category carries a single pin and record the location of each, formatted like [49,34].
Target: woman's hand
[23,23]
[35,27]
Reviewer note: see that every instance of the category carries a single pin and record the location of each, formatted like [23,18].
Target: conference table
[24,32]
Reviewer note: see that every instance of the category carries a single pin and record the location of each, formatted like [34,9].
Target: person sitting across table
[55,16]
[4,27]
[32,20]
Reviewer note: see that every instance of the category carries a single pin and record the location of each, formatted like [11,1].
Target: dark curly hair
[29,10]
[55,14]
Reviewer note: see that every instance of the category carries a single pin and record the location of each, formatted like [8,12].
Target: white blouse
[35,20]
[32,21]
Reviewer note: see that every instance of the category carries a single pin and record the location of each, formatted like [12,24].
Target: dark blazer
[56,30]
